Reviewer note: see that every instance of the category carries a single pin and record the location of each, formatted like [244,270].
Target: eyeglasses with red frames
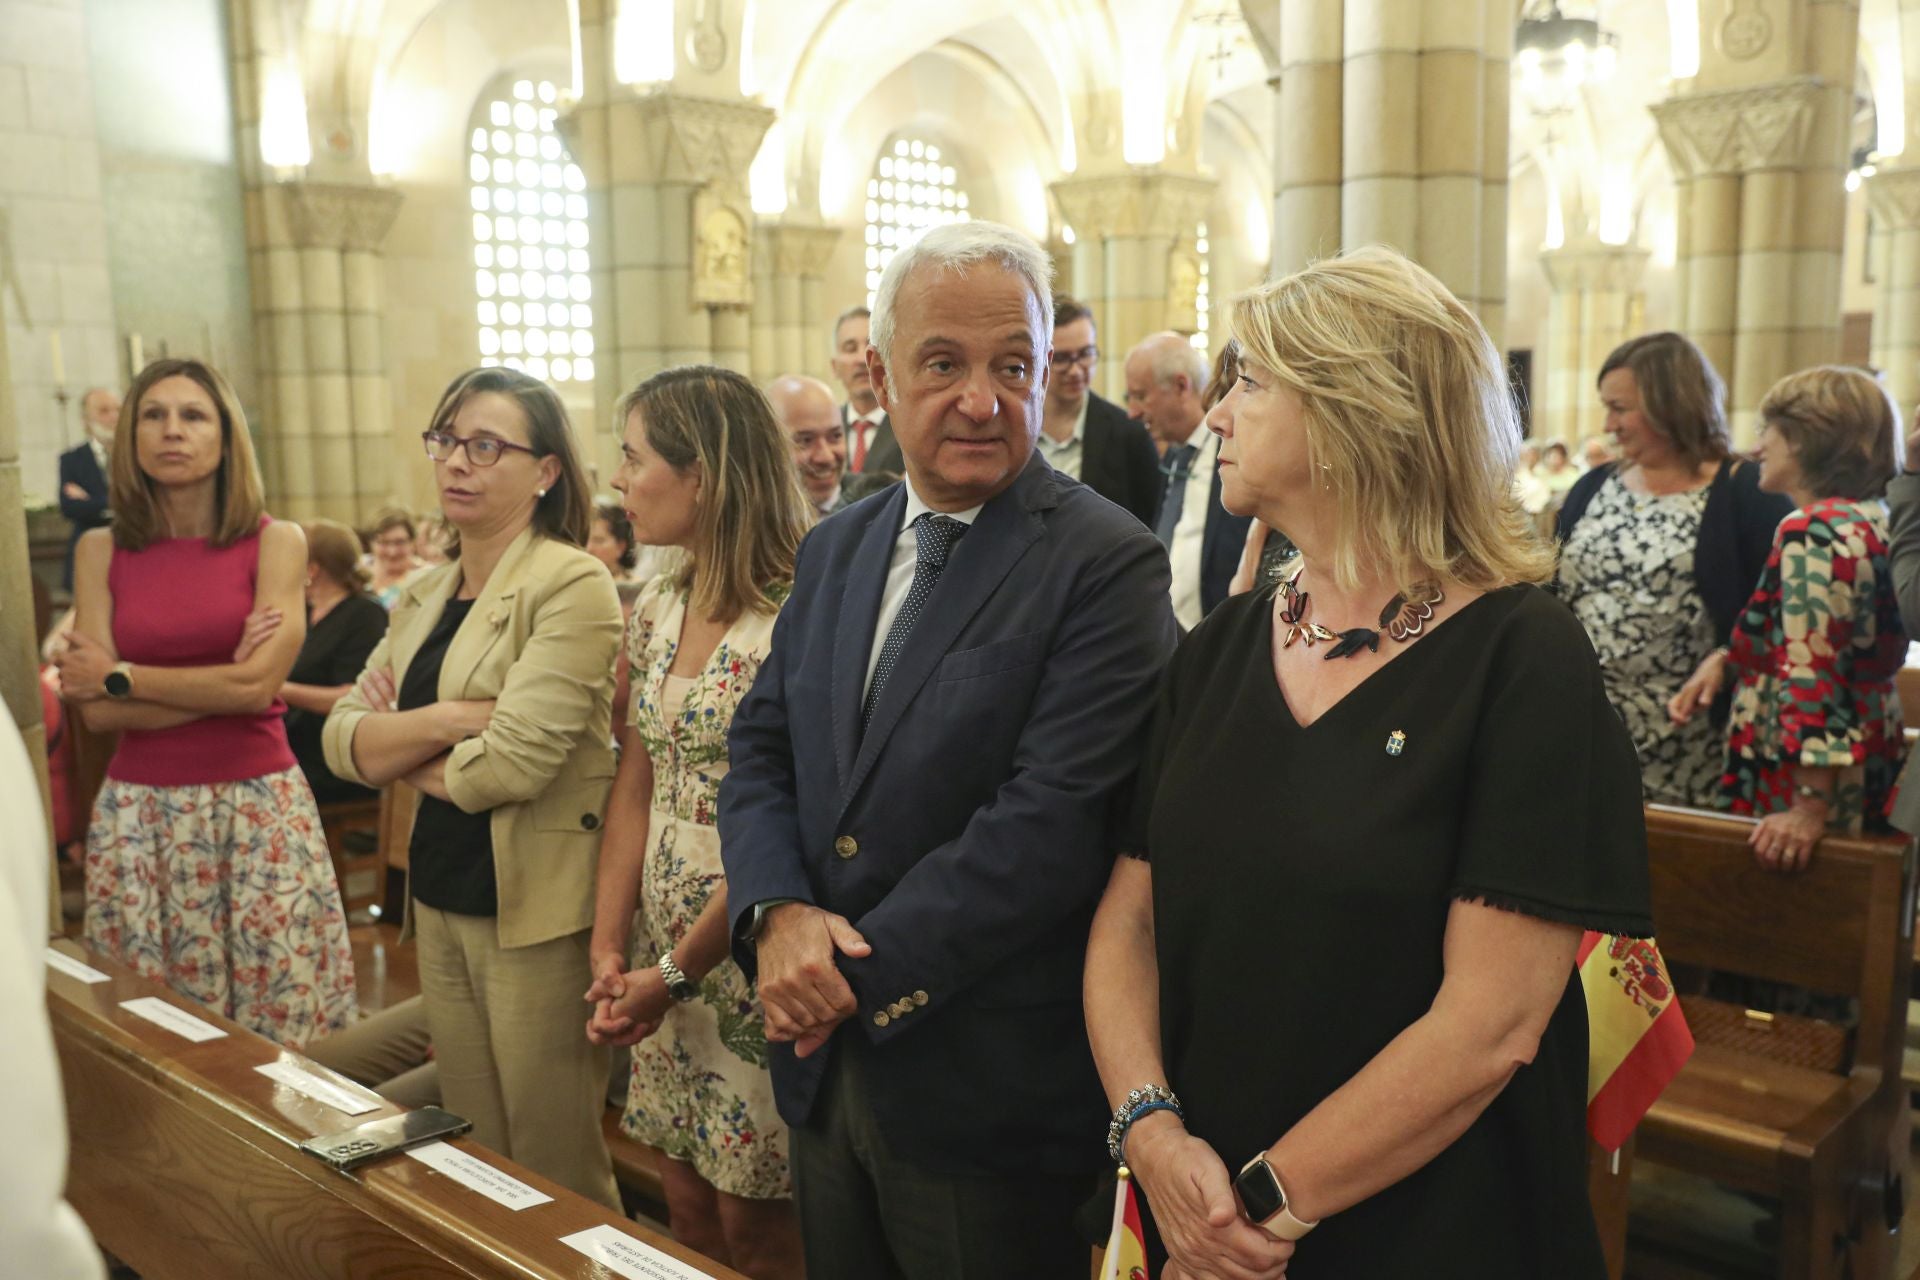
[482,451]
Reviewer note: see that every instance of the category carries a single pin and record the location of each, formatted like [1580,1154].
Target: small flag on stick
[1637,1037]
[1126,1256]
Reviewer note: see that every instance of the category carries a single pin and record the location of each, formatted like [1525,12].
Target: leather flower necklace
[1402,619]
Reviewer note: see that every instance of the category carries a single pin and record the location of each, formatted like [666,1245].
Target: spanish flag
[1126,1256]
[1637,1037]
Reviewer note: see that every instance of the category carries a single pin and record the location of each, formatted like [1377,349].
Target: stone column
[1132,256]
[1594,307]
[1392,125]
[327,433]
[673,255]
[790,314]
[1762,219]
[1895,200]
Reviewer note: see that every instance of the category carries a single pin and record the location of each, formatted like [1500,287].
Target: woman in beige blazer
[492,695]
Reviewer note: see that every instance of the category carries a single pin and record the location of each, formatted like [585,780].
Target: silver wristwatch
[679,985]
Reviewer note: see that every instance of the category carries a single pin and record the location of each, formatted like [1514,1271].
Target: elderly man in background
[805,409]
[83,471]
[916,823]
[1166,384]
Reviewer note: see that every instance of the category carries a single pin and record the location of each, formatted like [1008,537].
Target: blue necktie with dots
[934,536]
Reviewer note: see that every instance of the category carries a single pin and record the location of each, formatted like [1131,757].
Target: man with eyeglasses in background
[1092,439]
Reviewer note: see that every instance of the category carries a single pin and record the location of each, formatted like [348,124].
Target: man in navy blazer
[83,472]
[915,824]
[1166,385]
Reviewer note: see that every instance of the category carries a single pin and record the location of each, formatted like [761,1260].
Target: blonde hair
[239,501]
[752,513]
[1408,418]
[1842,427]
[334,549]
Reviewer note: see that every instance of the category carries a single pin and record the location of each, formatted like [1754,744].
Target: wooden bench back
[1841,926]
[185,1164]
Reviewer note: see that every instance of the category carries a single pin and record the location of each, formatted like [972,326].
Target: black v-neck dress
[1301,883]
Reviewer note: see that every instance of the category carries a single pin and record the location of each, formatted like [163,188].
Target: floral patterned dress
[1815,653]
[1626,571]
[700,1090]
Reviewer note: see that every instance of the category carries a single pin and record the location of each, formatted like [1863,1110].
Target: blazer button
[591,821]
[882,1018]
[900,1008]
[920,999]
[846,846]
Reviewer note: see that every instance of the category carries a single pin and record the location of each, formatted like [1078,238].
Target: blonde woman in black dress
[1331,992]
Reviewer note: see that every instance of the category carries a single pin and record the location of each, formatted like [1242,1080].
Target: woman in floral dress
[1814,742]
[206,867]
[704,467]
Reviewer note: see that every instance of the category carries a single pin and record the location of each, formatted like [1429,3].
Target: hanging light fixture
[1555,57]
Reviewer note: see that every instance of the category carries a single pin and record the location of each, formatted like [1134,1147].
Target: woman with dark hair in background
[344,625]
[492,694]
[392,562]
[1659,551]
[206,867]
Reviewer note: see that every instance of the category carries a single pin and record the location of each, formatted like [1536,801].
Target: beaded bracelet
[1139,1102]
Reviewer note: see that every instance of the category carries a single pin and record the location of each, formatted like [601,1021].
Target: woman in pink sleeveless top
[206,867]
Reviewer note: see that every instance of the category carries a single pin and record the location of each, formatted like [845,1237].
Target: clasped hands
[802,990]
[1195,1208]
[84,663]
[628,1005]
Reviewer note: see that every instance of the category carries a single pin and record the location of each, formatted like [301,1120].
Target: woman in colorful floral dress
[706,468]
[206,868]
[1814,742]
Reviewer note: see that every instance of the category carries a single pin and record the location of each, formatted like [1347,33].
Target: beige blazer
[540,639]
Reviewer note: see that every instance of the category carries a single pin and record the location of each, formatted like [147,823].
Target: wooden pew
[185,1165]
[359,876]
[1752,1109]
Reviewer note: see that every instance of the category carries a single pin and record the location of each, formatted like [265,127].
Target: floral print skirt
[224,891]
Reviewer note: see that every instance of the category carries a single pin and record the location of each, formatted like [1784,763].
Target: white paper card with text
[353,1101]
[75,969]
[479,1175]
[178,1021]
[621,1254]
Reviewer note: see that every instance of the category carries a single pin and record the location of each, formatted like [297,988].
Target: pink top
[184,603]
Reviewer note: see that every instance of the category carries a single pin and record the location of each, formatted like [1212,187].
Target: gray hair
[955,247]
[1170,354]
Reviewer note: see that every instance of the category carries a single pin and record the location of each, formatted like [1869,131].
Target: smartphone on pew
[353,1147]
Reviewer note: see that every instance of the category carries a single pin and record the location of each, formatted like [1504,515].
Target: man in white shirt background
[872,451]
[806,411]
[1166,378]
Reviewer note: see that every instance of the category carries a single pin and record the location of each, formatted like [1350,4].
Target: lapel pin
[1396,742]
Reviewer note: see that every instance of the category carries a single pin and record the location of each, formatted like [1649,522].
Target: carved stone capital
[1134,204]
[1594,267]
[799,250]
[327,215]
[1732,131]
[701,139]
[1894,197]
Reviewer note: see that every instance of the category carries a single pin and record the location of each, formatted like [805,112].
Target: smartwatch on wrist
[1266,1201]
[679,985]
[118,682]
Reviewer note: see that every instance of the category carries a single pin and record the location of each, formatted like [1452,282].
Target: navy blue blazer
[77,466]
[967,834]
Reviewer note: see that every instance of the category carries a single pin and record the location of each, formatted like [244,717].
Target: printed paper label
[478,1174]
[319,1088]
[75,969]
[621,1254]
[178,1021]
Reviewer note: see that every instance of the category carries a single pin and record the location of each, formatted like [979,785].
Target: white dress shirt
[1192,529]
[37,1225]
[1065,455]
[906,554]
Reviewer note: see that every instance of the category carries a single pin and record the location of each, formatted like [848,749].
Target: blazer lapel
[980,562]
[487,621]
[866,584]
[420,605]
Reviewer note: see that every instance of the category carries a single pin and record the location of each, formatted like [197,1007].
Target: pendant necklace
[1402,619]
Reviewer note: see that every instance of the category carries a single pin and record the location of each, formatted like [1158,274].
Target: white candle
[59,361]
